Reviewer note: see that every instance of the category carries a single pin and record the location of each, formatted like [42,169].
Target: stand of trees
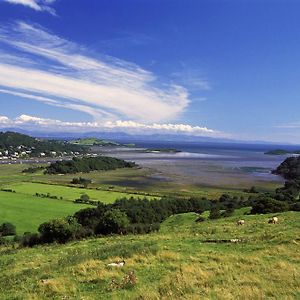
[122,217]
[284,198]
[7,229]
[85,182]
[87,164]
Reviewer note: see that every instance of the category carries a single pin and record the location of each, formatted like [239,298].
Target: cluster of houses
[23,152]
[15,153]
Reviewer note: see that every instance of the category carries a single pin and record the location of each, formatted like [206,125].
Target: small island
[163,150]
[89,142]
[281,152]
[94,142]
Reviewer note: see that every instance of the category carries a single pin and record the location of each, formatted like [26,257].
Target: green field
[132,180]
[28,212]
[176,263]
[69,193]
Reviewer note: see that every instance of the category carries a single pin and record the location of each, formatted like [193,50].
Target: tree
[264,205]
[30,239]
[113,221]
[59,230]
[89,217]
[215,212]
[85,182]
[7,229]
[253,190]
[84,197]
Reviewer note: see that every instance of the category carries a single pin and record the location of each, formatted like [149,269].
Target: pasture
[175,263]
[69,193]
[27,212]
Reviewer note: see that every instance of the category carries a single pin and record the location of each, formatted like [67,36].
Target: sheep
[235,241]
[273,220]
[118,264]
[240,222]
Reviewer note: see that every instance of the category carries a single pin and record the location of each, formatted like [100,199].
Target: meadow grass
[70,193]
[28,212]
[175,263]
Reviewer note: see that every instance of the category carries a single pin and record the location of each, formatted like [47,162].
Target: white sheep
[273,220]
[118,264]
[240,222]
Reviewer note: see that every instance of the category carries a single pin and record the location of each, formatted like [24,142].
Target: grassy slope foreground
[175,263]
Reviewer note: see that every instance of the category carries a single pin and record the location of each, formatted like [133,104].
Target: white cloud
[64,75]
[96,113]
[4,121]
[38,5]
[118,95]
[131,127]
[162,128]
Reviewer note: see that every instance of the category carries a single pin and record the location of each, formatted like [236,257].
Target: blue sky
[211,68]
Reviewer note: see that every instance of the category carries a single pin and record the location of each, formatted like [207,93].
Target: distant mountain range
[123,137]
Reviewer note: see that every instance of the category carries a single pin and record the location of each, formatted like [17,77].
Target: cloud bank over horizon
[50,125]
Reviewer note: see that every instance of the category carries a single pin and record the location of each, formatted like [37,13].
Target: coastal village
[24,152]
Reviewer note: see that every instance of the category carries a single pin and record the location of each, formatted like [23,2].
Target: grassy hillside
[13,141]
[28,212]
[175,263]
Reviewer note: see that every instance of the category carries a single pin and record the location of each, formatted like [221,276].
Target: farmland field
[28,212]
[68,193]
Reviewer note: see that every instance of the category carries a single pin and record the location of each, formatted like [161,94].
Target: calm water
[207,163]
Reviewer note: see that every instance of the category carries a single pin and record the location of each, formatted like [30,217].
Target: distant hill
[289,168]
[13,142]
[122,137]
[13,139]
[281,152]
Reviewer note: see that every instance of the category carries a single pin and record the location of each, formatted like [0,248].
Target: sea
[211,164]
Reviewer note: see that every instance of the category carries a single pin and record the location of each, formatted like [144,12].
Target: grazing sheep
[240,222]
[235,241]
[273,220]
[118,264]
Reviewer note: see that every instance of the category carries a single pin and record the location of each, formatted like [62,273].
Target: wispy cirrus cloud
[131,127]
[292,125]
[38,5]
[61,73]
[191,77]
